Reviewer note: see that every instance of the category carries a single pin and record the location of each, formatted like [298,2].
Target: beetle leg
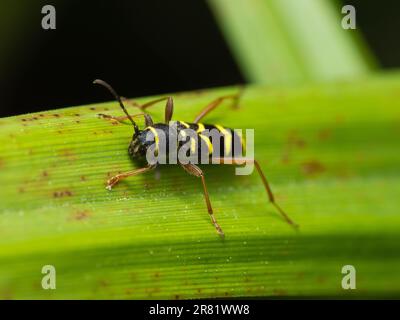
[169,107]
[271,197]
[197,172]
[106,116]
[115,179]
[214,104]
[147,118]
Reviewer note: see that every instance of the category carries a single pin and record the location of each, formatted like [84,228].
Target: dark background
[140,47]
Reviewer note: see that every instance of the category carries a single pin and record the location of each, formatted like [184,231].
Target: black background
[142,48]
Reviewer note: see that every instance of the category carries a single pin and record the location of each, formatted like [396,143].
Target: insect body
[204,146]
[225,142]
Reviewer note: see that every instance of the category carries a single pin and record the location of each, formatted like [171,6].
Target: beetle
[139,145]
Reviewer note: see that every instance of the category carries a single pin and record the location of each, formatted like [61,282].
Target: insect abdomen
[201,141]
[215,140]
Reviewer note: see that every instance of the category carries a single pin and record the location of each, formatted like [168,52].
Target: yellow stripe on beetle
[184,124]
[242,142]
[227,138]
[208,142]
[200,128]
[192,145]
[192,140]
[156,138]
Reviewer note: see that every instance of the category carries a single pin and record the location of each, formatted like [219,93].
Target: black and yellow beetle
[139,145]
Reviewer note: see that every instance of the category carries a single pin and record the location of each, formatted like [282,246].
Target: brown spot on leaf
[92,108]
[103,283]
[285,158]
[321,279]
[312,167]
[324,134]
[67,153]
[81,215]
[56,115]
[280,292]
[83,178]
[339,119]
[128,292]
[293,141]
[37,286]
[77,115]
[62,193]
[45,173]
[6,293]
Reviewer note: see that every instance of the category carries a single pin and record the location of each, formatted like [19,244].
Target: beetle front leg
[115,179]
[108,117]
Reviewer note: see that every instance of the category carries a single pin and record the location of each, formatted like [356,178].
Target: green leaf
[331,153]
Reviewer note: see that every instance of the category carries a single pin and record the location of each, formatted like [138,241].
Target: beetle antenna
[117,97]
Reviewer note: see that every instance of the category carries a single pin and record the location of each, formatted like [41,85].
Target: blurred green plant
[289,42]
[331,154]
